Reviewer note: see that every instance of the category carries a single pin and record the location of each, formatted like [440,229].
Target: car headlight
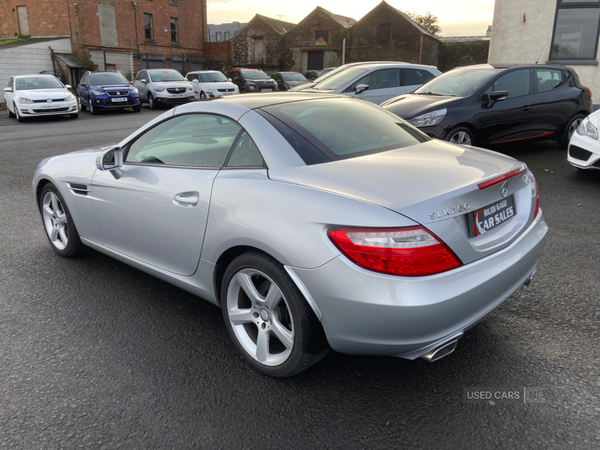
[159,89]
[134,91]
[25,100]
[429,119]
[70,98]
[586,128]
[190,88]
[98,92]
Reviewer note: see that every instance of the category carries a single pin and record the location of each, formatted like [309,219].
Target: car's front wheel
[93,109]
[82,107]
[58,223]
[137,108]
[202,96]
[18,116]
[461,135]
[11,114]
[151,102]
[268,318]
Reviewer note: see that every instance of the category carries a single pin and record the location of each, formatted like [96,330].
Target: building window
[174,31]
[218,36]
[148,33]
[576,30]
[321,37]
[227,35]
[385,31]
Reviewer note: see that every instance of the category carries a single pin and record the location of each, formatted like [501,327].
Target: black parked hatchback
[484,104]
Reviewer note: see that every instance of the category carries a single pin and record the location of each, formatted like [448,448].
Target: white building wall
[29,59]
[522,33]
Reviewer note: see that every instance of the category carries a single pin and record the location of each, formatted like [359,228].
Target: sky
[456,17]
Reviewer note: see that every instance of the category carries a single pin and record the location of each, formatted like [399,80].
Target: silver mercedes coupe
[314,221]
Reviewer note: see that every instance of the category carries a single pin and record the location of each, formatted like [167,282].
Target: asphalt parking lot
[96,354]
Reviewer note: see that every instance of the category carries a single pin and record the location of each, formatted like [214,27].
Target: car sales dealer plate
[491,216]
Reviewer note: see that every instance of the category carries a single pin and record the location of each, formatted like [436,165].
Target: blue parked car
[107,90]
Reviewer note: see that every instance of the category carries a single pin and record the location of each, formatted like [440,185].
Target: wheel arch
[463,125]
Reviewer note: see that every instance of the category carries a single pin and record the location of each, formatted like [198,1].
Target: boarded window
[108,26]
[385,31]
[321,37]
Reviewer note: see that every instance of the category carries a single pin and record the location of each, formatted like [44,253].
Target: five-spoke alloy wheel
[268,318]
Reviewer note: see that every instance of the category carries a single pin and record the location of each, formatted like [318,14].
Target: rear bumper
[373,314]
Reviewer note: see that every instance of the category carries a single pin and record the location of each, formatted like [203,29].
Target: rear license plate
[178,95]
[119,99]
[491,216]
[267,90]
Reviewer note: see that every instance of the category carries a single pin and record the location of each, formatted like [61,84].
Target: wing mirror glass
[8,89]
[68,86]
[229,79]
[195,81]
[112,160]
[496,96]
[361,88]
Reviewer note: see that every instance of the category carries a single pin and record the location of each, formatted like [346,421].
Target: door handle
[527,108]
[186,199]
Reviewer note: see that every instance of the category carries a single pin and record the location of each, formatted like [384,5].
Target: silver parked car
[163,87]
[314,221]
[376,82]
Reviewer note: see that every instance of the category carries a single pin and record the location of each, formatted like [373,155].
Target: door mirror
[143,81]
[8,89]
[112,160]
[68,86]
[361,88]
[195,81]
[229,79]
[496,96]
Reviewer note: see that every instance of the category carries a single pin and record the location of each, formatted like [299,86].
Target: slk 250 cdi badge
[308,219]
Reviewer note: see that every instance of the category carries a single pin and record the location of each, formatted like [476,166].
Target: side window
[85,78]
[190,140]
[192,76]
[245,153]
[515,83]
[548,79]
[417,76]
[381,79]
[10,83]
[142,76]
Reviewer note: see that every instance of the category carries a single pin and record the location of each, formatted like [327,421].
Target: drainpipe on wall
[421,49]
[344,51]
[104,51]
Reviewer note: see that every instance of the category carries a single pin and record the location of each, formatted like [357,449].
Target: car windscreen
[293,77]
[165,75]
[254,75]
[212,77]
[457,82]
[107,79]
[346,128]
[29,83]
[340,80]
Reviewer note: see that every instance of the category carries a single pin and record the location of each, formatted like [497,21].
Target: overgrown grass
[9,41]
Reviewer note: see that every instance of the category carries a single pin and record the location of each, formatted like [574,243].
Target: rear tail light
[537,200]
[500,179]
[589,93]
[408,252]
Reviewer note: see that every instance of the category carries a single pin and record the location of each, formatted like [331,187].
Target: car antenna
[537,60]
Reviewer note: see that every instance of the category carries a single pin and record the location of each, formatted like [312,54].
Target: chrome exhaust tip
[441,351]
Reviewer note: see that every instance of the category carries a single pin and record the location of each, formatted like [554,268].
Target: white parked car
[377,82]
[584,147]
[163,87]
[39,95]
[211,84]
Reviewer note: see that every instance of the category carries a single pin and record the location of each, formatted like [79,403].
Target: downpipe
[441,351]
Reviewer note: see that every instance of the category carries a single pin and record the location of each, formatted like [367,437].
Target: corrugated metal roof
[69,59]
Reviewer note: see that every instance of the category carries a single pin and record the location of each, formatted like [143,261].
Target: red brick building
[117,34]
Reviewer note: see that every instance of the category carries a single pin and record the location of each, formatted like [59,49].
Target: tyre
[18,116]
[137,108]
[58,223]
[202,96]
[73,116]
[93,109]
[11,114]
[82,107]
[461,135]
[151,102]
[267,317]
[569,129]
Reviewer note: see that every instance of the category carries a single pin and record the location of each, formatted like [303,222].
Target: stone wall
[243,46]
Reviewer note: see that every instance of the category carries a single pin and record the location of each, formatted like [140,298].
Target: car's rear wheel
[151,102]
[570,127]
[461,136]
[58,223]
[268,318]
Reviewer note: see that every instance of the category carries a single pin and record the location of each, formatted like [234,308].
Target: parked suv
[252,80]
[486,104]
[163,87]
[107,90]
[210,84]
